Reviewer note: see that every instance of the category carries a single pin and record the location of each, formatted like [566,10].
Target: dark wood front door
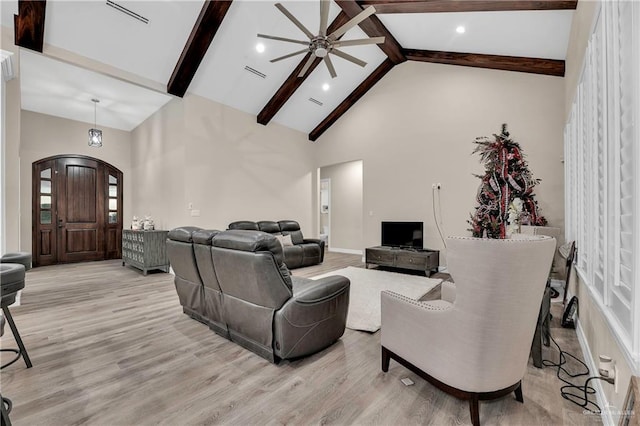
[77,206]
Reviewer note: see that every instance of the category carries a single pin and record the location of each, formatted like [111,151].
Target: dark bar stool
[12,279]
[5,403]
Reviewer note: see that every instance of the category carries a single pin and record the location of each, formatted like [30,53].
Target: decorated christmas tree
[505,196]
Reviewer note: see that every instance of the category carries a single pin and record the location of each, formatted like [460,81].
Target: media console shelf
[417,260]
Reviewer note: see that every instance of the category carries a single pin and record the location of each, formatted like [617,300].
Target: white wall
[11,150]
[345,205]
[45,136]
[219,159]
[416,127]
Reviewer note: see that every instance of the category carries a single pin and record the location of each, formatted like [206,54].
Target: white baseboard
[601,398]
[347,251]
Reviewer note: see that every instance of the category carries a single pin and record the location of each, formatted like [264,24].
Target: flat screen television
[402,234]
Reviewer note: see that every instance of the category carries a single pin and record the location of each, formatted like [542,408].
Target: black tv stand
[415,259]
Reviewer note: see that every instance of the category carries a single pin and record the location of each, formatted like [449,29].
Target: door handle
[60,224]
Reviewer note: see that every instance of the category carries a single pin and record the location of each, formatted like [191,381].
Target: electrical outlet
[607,369]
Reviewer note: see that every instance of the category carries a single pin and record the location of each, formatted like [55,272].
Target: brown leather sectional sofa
[236,282]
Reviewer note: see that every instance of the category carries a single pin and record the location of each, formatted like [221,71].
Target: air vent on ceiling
[254,71]
[126,11]
[315,101]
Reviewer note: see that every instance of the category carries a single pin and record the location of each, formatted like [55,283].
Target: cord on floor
[579,395]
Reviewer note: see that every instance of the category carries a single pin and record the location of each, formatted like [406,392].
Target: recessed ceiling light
[325,87]
[260,47]
[460,29]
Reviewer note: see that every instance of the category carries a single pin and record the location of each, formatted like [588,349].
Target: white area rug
[364,294]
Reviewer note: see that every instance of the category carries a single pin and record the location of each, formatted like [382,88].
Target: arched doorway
[77,210]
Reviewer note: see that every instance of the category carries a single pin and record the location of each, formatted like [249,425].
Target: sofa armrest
[313,318]
[318,291]
[318,242]
[315,300]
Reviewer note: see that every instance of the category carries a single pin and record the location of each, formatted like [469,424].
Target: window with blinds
[602,155]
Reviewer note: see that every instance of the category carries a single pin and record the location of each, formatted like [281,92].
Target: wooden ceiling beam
[435,6]
[293,82]
[373,27]
[552,67]
[202,34]
[28,24]
[353,97]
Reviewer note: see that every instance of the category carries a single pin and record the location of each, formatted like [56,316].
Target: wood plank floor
[112,347]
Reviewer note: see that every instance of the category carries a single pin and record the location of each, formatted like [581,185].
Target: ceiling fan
[322,45]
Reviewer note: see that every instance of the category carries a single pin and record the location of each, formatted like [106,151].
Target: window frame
[588,160]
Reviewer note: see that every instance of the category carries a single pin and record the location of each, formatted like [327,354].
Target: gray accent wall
[219,160]
[416,127]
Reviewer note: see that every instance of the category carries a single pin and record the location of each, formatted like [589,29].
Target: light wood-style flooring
[112,347]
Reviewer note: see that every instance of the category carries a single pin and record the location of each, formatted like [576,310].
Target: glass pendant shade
[95,135]
[95,138]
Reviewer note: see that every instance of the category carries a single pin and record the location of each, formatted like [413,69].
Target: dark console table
[415,259]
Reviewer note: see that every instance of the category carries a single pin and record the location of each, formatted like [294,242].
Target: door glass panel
[113,217]
[113,180]
[45,186]
[113,190]
[45,201]
[46,174]
[113,204]
[45,217]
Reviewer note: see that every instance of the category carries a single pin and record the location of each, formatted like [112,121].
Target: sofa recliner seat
[248,295]
[303,252]
[188,282]
[211,292]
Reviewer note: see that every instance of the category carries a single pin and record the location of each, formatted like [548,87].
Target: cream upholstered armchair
[473,343]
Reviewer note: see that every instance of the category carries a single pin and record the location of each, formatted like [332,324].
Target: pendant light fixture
[95,135]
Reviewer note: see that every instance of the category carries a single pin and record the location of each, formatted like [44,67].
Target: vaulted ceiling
[209,49]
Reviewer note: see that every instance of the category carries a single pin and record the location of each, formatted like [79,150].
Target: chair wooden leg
[518,393]
[474,408]
[386,357]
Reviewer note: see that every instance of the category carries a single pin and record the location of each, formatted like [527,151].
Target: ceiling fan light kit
[322,45]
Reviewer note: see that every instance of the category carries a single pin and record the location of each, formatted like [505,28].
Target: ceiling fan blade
[294,20]
[353,22]
[304,69]
[290,40]
[324,16]
[289,55]
[348,57]
[372,40]
[329,64]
